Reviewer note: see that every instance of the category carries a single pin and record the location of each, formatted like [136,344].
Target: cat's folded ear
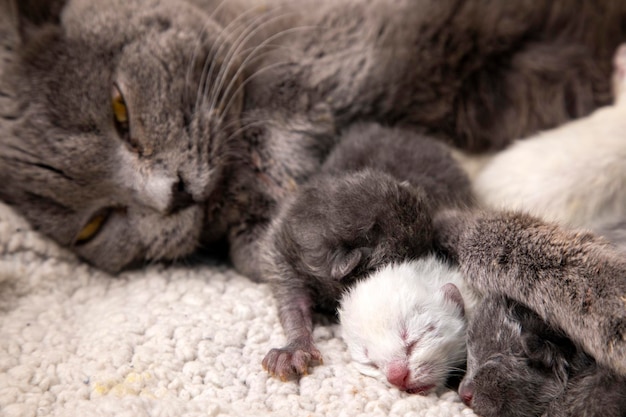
[29,15]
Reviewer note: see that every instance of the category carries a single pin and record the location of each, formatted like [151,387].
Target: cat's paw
[291,361]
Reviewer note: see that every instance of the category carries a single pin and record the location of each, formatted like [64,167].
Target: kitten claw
[288,362]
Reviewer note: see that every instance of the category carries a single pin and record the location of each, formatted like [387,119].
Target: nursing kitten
[138,130]
[337,229]
[407,156]
[574,280]
[574,174]
[520,366]
[406,323]
[370,205]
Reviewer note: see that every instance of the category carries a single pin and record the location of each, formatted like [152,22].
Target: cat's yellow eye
[120,111]
[91,228]
[120,116]
[122,122]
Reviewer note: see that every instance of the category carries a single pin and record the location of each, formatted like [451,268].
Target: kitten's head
[516,363]
[405,323]
[340,227]
[119,127]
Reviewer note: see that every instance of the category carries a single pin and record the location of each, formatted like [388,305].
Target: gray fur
[276,80]
[407,156]
[520,366]
[615,232]
[574,280]
[370,205]
[338,228]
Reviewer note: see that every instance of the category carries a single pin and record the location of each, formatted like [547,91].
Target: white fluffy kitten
[406,323]
[574,174]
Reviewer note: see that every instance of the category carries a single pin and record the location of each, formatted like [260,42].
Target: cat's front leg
[572,279]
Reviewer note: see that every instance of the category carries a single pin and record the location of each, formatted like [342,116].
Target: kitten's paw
[291,361]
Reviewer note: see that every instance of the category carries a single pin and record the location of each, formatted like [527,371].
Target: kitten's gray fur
[407,156]
[520,366]
[574,280]
[227,116]
[370,205]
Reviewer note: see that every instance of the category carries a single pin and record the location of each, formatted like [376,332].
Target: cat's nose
[466,392]
[181,198]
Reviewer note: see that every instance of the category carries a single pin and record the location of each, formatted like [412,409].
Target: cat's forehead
[159,51]
[118,21]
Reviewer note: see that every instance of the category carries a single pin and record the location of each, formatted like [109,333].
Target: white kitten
[406,323]
[574,174]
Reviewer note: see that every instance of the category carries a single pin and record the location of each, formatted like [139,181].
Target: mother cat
[138,130]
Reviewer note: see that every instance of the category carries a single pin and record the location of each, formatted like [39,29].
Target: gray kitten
[371,205]
[574,280]
[408,156]
[520,366]
[139,130]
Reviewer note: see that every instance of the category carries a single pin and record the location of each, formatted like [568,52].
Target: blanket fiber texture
[164,341]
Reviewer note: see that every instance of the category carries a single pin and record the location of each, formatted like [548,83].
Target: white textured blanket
[163,341]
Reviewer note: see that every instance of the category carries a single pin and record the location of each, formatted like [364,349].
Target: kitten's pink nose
[466,392]
[398,374]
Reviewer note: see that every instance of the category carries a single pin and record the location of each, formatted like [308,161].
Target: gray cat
[574,280]
[370,205]
[141,130]
[520,366]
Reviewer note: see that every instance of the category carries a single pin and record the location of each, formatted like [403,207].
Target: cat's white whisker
[230,59]
[226,154]
[243,128]
[455,370]
[219,44]
[196,51]
[252,55]
[243,84]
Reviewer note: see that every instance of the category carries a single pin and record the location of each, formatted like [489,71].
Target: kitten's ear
[546,348]
[344,262]
[451,293]
[540,352]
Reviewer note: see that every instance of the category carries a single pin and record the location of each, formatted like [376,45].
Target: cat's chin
[173,237]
